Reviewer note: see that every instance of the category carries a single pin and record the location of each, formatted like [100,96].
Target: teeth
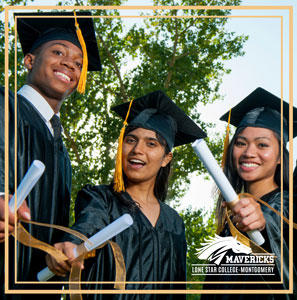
[63,75]
[137,161]
[249,165]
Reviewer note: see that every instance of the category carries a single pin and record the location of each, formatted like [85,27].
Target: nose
[138,148]
[250,151]
[68,62]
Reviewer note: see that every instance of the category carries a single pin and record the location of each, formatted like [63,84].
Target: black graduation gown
[295,215]
[150,253]
[272,235]
[49,200]
[295,183]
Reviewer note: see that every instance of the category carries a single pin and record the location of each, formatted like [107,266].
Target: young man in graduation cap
[58,52]
[154,247]
[253,165]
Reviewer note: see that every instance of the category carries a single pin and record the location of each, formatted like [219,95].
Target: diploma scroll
[221,181]
[94,241]
[32,176]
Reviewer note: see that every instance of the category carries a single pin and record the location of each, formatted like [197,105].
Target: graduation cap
[262,109]
[35,29]
[157,112]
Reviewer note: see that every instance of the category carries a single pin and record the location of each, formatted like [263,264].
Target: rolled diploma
[221,181]
[97,239]
[31,177]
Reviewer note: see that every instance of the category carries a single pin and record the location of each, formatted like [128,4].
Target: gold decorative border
[290,10]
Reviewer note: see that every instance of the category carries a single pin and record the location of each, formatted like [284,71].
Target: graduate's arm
[90,216]
[91,212]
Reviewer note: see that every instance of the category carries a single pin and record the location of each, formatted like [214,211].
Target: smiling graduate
[154,247]
[57,65]
[254,165]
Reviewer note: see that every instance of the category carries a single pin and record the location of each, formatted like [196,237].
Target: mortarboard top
[262,109]
[156,111]
[36,31]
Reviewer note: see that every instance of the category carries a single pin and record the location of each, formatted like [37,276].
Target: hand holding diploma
[23,212]
[222,182]
[72,251]
[32,176]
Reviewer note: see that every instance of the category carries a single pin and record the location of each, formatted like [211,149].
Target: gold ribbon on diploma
[75,273]
[24,237]
[241,237]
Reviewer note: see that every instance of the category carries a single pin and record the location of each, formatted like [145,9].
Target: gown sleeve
[91,212]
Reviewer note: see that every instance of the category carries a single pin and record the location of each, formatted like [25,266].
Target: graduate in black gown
[253,165]
[55,64]
[154,247]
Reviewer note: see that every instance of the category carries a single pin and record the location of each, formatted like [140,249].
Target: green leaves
[198,227]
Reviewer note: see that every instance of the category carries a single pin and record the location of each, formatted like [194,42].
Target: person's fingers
[68,251]
[258,225]
[249,217]
[243,202]
[24,211]
[2,231]
[54,266]
[61,268]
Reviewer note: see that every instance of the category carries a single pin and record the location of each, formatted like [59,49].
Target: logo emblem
[217,247]
[227,256]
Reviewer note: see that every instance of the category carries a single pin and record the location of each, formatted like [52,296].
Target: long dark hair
[238,184]
[161,183]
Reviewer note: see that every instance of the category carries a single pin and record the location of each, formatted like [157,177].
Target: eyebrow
[146,137]
[257,138]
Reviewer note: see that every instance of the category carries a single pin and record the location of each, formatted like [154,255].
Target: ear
[167,159]
[29,61]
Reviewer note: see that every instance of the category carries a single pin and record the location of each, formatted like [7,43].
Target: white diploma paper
[221,181]
[32,176]
[97,239]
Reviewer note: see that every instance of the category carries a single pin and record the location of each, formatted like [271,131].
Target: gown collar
[38,102]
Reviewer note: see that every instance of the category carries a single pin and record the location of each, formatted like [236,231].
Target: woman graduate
[253,165]
[154,247]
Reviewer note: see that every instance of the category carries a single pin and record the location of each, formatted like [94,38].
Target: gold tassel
[119,185]
[81,87]
[226,142]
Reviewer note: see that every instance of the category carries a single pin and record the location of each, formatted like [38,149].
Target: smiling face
[143,156]
[54,70]
[256,154]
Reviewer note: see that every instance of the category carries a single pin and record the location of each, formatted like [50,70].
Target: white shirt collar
[40,104]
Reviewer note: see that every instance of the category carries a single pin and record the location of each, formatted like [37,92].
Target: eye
[263,145]
[57,52]
[152,144]
[130,140]
[240,143]
[78,64]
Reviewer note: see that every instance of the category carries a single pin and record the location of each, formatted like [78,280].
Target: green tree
[198,227]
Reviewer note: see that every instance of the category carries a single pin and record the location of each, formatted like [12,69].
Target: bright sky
[260,66]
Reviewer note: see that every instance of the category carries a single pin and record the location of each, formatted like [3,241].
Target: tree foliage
[197,230]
